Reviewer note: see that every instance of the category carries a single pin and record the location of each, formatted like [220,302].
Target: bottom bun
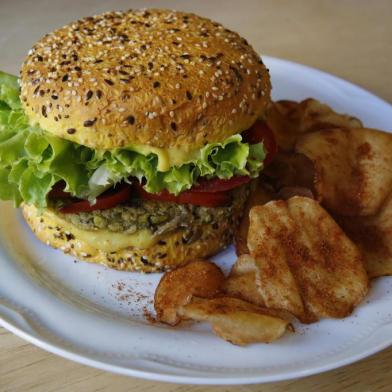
[169,252]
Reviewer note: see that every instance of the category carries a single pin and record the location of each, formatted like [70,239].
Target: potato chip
[244,281]
[353,173]
[259,194]
[307,265]
[290,172]
[373,236]
[237,321]
[289,120]
[176,288]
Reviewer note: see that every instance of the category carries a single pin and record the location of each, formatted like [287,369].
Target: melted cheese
[168,157]
[106,240]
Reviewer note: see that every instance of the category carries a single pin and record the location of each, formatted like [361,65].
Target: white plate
[77,310]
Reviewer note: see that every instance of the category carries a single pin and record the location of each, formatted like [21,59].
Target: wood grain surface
[349,38]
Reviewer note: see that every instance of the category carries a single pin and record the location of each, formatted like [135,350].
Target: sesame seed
[71,131]
[173,126]
[90,123]
[171,113]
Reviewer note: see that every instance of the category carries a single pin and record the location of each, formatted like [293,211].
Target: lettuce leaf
[32,160]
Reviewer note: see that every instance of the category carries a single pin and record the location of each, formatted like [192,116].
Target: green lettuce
[32,160]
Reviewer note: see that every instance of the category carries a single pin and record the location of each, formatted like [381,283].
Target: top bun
[157,77]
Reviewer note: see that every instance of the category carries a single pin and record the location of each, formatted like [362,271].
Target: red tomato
[260,132]
[57,191]
[206,199]
[107,200]
[218,185]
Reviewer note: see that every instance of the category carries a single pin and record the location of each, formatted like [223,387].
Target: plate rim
[43,343]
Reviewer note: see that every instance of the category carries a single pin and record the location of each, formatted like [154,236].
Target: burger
[130,138]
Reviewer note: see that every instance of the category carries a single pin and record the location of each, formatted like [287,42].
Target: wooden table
[351,38]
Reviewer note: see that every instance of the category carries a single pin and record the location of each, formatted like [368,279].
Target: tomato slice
[261,132]
[205,199]
[57,191]
[107,200]
[218,185]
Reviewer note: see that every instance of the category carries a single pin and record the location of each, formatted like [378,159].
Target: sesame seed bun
[169,252]
[156,77]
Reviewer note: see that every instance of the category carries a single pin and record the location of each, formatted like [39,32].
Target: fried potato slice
[373,236]
[244,281]
[353,174]
[290,172]
[176,288]
[237,321]
[307,265]
[289,120]
[259,195]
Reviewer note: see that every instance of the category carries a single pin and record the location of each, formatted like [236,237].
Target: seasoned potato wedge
[353,173]
[288,173]
[237,321]
[373,236]
[289,120]
[259,195]
[307,265]
[244,281]
[176,288]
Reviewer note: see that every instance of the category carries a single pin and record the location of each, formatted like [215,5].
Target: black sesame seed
[186,56]
[35,92]
[173,126]
[98,61]
[71,131]
[54,97]
[89,94]
[131,120]
[78,69]
[65,78]
[41,93]
[99,94]
[43,111]
[150,65]
[156,84]
[40,58]
[109,82]
[144,260]
[90,123]
[188,95]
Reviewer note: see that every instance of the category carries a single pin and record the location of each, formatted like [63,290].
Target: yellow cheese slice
[168,158]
